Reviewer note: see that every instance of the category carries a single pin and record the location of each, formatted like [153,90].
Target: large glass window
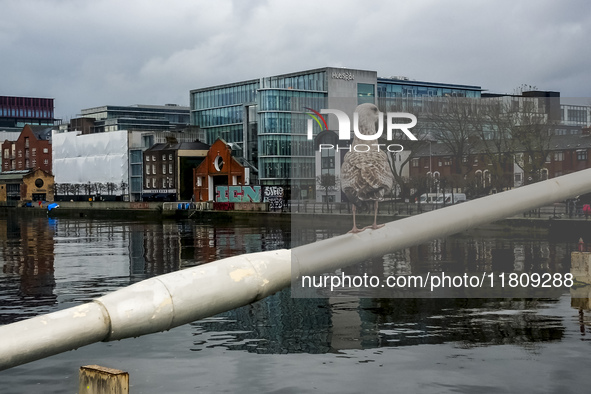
[365,93]
[136,170]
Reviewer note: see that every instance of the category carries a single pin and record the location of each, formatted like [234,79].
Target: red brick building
[168,170]
[218,169]
[567,154]
[31,150]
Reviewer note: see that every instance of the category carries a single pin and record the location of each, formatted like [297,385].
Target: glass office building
[137,117]
[265,119]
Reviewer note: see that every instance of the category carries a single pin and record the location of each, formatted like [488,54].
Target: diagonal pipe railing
[167,301]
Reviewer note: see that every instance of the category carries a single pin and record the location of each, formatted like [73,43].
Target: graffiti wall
[251,194]
[238,194]
[274,196]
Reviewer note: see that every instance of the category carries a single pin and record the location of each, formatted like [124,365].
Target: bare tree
[533,134]
[88,188]
[123,187]
[497,145]
[455,124]
[111,188]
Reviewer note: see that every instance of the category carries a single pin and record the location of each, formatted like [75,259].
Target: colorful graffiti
[238,194]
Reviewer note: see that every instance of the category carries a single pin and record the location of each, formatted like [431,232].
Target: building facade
[267,118]
[168,170]
[565,154]
[16,112]
[218,168]
[137,117]
[31,150]
[26,185]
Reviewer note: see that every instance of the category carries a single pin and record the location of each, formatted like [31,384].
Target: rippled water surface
[289,345]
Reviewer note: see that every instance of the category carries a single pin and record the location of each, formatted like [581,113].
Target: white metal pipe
[177,298]
[50,334]
[344,250]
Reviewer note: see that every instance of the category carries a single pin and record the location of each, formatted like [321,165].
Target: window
[153,158]
[328,162]
[34,151]
[582,154]
[45,161]
[164,169]
[20,153]
[45,150]
[544,174]
[147,158]
[365,93]
[154,183]
[558,156]
[415,162]
[446,161]
[6,153]
[153,168]
[518,178]
[164,183]
[170,156]
[34,163]
[170,169]
[147,169]
[164,157]
[147,183]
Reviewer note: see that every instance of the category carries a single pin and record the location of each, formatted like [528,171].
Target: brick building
[26,185]
[31,150]
[566,154]
[168,170]
[218,169]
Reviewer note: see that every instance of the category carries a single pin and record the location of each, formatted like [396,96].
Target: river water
[292,345]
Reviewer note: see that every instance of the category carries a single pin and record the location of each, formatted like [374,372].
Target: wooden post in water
[95,379]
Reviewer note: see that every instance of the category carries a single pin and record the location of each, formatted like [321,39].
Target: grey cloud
[92,53]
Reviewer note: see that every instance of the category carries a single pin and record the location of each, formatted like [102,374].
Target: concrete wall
[98,205]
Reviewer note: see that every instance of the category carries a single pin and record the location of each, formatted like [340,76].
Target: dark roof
[197,145]
[41,132]
[14,175]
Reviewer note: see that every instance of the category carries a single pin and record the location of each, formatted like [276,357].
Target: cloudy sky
[90,53]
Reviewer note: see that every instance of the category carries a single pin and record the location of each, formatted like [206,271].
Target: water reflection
[287,325]
[52,264]
[27,266]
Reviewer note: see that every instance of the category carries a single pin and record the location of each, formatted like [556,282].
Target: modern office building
[137,117]
[266,118]
[16,112]
[575,115]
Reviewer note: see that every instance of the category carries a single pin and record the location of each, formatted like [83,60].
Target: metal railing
[177,298]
